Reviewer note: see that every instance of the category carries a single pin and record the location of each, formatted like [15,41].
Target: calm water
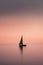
[13,55]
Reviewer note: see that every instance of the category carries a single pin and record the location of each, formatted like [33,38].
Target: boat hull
[22,45]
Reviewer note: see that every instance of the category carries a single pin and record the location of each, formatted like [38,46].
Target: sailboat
[21,42]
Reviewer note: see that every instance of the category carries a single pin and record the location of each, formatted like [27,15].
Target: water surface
[32,54]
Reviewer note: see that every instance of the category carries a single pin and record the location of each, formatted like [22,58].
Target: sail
[21,41]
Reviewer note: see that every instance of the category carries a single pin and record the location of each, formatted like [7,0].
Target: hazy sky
[29,23]
[15,25]
[11,5]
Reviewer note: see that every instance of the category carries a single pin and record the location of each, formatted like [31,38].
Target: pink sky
[14,25]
